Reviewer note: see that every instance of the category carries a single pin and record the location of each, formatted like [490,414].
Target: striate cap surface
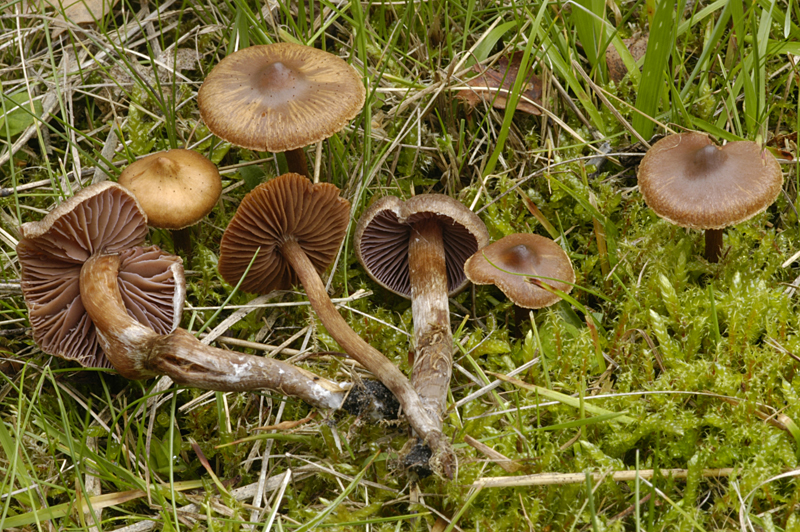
[280,97]
[512,262]
[689,181]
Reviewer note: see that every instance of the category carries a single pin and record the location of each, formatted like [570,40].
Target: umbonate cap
[689,181]
[279,97]
[515,261]
[176,188]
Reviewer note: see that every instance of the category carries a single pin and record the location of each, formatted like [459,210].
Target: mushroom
[51,253]
[296,228]
[518,264]
[417,250]
[97,298]
[690,182]
[175,188]
[279,98]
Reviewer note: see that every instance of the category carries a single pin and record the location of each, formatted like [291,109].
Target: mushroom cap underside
[383,232]
[288,207]
[102,218]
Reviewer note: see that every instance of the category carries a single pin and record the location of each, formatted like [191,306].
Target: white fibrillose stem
[138,352]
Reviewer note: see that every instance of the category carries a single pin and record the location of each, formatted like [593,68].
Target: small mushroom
[690,182]
[517,264]
[176,189]
[279,98]
[296,228]
[95,297]
[417,249]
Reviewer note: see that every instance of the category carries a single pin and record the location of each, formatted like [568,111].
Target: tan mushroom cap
[384,230]
[279,97]
[529,257]
[175,188]
[288,207]
[689,181]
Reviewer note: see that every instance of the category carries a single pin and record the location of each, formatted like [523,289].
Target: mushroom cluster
[97,297]
[293,229]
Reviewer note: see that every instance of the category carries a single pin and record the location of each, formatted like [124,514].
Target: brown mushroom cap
[383,231]
[288,207]
[176,188]
[101,218]
[691,182]
[279,97]
[528,256]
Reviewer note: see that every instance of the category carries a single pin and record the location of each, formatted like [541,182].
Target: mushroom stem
[433,338]
[296,162]
[138,352]
[182,241]
[714,244]
[372,359]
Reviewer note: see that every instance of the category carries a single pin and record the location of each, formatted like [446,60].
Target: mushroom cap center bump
[514,261]
[175,188]
[519,259]
[280,97]
[691,182]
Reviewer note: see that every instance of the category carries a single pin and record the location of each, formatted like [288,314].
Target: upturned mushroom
[52,251]
[517,264]
[296,228]
[280,98]
[417,249]
[690,182]
[94,296]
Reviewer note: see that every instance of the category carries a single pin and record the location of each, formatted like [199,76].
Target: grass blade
[659,47]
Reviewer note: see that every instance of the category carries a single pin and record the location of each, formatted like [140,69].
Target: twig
[559,479]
